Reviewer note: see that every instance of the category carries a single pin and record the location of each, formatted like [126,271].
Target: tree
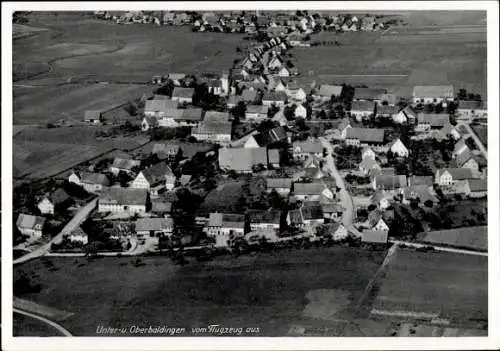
[131,108]
[462,94]
[239,110]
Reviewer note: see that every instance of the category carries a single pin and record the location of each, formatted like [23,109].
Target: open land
[268,291]
[27,326]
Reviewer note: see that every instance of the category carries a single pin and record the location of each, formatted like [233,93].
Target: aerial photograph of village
[250,173]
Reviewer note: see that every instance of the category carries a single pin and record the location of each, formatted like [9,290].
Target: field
[482,133]
[445,285]
[69,102]
[40,153]
[27,326]
[417,54]
[267,291]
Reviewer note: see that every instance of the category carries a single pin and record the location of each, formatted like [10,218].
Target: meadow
[269,290]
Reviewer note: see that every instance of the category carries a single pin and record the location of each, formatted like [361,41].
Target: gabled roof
[157,173]
[444,91]
[157,224]
[463,157]
[274,96]
[161,206]
[368,93]
[279,182]
[421,180]
[191,114]
[183,92]
[229,220]
[216,117]
[59,196]
[269,216]
[329,90]
[308,188]
[262,109]
[477,185]
[390,182]
[249,95]
[312,212]
[387,110]
[380,195]
[362,105]
[242,159]
[458,173]
[369,135]
[469,105]
[161,105]
[93,178]
[27,221]
[123,196]
[434,119]
[166,148]
[213,128]
[309,146]
[422,192]
[270,136]
[368,163]
[91,114]
[374,217]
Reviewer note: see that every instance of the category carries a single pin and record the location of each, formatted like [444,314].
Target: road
[439,248]
[345,197]
[54,325]
[475,138]
[80,216]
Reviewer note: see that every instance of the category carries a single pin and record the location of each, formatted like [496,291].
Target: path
[475,138]
[439,248]
[345,197]
[54,325]
[80,216]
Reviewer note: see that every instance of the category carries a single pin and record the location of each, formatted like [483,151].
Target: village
[255,157]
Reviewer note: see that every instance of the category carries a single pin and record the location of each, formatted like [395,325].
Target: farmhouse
[447,176]
[242,160]
[123,165]
[312,191]
[407,114]
[266,138]
[326,92]
[360,109]
[332,211]
[259,220]
[188,117]
[281,185]
[428,94]
[159,107]
[213,131]
[300,111]
[467,159]
[365,136]
[376,221]
[460,147]
[337,231]
[215,87]
[149,123]
[123,200]
[382,199]
[50,202]
[369,94]
[274,98]
[478,188]
[368,166]
[427,181]
[30,225]
[389,182]
[91,182]
[398,148]
[387,111]
[448,131]
[256,112]
[216,117]
[154,227]
[155,179]
[166,151]
[306,217]
[250,96]
[305,149]
[468,110]
[224,226]
[183,95]
[92,117]
[367,153]
[77,236]
[426,121]
[421,193]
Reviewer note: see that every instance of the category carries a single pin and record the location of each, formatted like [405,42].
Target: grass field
[268,291]
[418,54]
[27,326]
[452,286]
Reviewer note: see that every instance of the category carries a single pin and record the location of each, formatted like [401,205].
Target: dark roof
[160,105]
[421,180]
[230,220]
[59,196]
[92,115]
[216,117]
[368,93]
[390,181]
[308,188]
[258,216]
[467,237]
[458,173]
[93,178]
[469,105]
[369,135]
[161,206]
[274,96]
[270,136]
[183,92]
[363,105]
[147,224]
[157,173]
[387,110]
[124,196]
[477,185]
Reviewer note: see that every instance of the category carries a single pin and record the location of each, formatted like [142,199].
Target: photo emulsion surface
[250,173]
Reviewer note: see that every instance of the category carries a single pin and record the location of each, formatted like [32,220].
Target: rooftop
[123,196]
[442,91]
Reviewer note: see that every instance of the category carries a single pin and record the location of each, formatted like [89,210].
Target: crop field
[69,102]
[398,59]
[444,285]
[267,291]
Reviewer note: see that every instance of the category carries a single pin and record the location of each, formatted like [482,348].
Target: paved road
[80,216]
[440,248]
[476,139]
[345,197]
[54,325]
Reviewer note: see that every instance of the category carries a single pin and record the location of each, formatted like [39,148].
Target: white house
[307,217]
[367,153]
[311,191]
[154,227]
[225,226]
[300,111]
[398,148]
[78,236]
[281,185]
[155,179]
[30,225]
[428,94]
[447,176]
[183,95]
[377,223]
[123,200]
[259,219]
[93,182]
[256,112]
[305,149]
[284,72]
[338,231]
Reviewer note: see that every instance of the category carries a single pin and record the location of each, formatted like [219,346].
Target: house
[460,147]
[389,182]
[278,98]
[427,181]
[149,123]
[77,235]
[166,151]
[216,117]
[158,107]
[275,63]
[387,111]
[154,227]
[92,182]
[376,221]
[281,185]
[447,176]
[448,131]
[306,217]
[300,111]
[50,202]
[365,136]
[215,87]
[259,220]
[466,159]
[267,138]
[279,85]
[123,165]
[478,188]
[312,191]
[362,109]
[382,199]
[123,200]
[398,148]
[297,94]
[388,99]
[155,179]
[30,225]
[183,95]
[427,121]
[338,231]
[250,96]
[367,153]
[242,160]
[374,237]
[332,211]
[468,110]
[225,226]
[457,187]
[368,166]
[219,132]
[305,149]
[369,94]
[407,114]
[256,112]
[422,194]
[177,78]
[326,92]
[428,94]
[92,117]
[161,207]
